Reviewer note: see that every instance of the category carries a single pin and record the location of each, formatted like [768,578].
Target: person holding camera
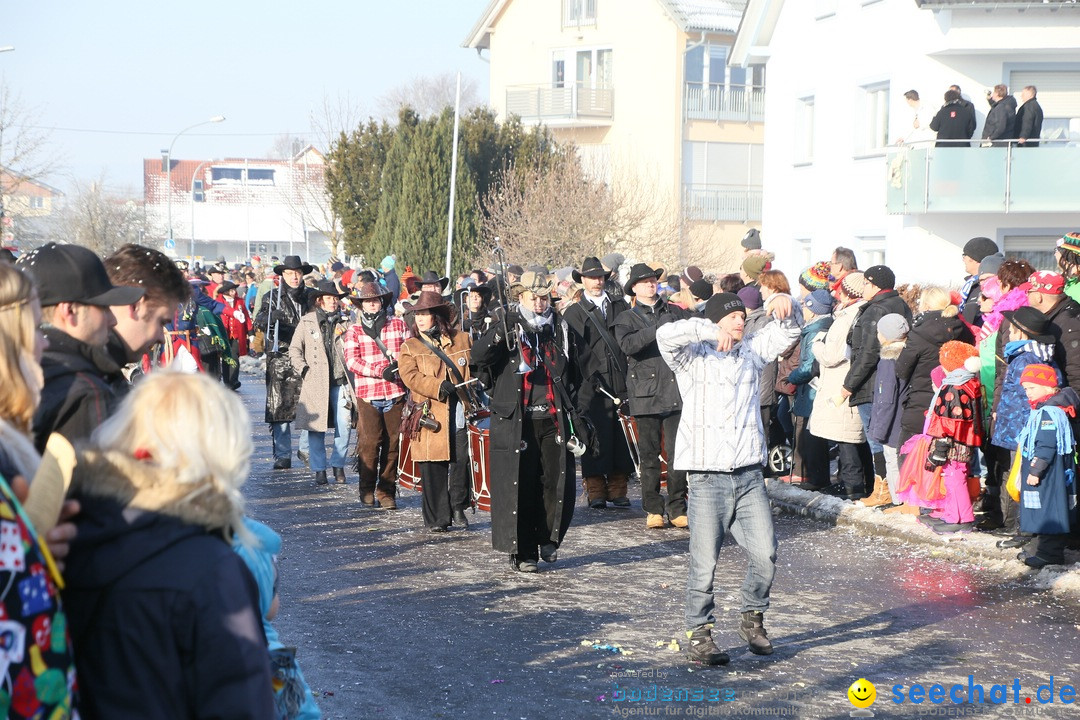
[372,347]
[535,429]
[432,363]
[318,357]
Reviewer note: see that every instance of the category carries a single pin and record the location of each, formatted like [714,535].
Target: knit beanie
[852,284]
[978,248]
[815,277]
[954,353]
[701,289]
[722,305]
[388,263]
[750,296]
[752,239]
[1038,374]
[991,264]
[893,327]
[754,265]
[1071,242]
[819,302]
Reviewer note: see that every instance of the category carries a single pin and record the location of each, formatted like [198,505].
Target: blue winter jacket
[1013,409]
[1050,506]
[888,404]
[801,376]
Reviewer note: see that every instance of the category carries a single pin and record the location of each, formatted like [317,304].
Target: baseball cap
[1047,283]
[70,273]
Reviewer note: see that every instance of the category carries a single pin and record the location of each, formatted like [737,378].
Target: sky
[137,73]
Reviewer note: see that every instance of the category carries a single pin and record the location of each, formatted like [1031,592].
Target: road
[392,622]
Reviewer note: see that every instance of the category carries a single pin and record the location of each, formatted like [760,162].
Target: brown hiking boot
[655,522]
[367,496]
[616,490]
[596,490]
[904,509]
[680,522]
[386,501]
[880,496]
[752,630]
[703,649]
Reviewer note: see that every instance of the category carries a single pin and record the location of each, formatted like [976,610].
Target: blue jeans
[864,413]
[281,432]
[317,440]
[732,502]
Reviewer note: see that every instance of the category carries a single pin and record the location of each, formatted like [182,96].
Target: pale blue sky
[150,68]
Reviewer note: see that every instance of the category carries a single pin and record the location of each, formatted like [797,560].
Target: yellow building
[26,206]
[643,88]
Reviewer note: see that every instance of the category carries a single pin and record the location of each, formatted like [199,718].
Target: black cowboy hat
[639,272]
[431,277]
[484,290]
[1034,323]
[429,301]
[326,287]
[226,287]
[293,262]
[591,267]
[370,291]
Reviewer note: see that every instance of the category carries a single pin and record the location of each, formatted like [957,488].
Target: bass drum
[408,473]
[479,459]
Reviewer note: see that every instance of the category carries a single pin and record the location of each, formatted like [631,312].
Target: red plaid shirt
[366,360]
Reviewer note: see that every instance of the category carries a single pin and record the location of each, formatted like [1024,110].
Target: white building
[838,71]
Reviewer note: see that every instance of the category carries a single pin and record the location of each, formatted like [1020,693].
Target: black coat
[1029,122]
[919,357]
[970,308]
[281,313]
[954,121]
[650,382]
[490,355]
[865,347]
[1001,120]
[78,394]
[600,370]
[1065,327]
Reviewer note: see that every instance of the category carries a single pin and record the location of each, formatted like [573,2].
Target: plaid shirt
[366,360]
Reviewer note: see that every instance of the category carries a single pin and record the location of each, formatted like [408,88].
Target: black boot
[460,519]
[282,464]
[703,649]
[320,477]
[549,552]
[752,630]
[339,475]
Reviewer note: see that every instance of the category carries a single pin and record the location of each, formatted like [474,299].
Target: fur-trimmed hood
[891,351]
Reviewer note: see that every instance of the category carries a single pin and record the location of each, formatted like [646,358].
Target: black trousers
[650,430]
[856,467]
[446,484]
[541,507]
[230,374]
[811,455]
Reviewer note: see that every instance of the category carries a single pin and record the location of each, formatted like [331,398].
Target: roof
[995,4]
[709,15]
[755,32]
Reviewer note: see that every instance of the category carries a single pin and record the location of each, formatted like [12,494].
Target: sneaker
[703,649]
[655,522]
[549,553]
[598,504]
[1011,543]
[680,522]
[752,630]
[621,502]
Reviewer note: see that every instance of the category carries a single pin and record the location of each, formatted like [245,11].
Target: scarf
[1063,434]
[1043,352]
[534,321]
[543,345]
[1012,300]
[959,376]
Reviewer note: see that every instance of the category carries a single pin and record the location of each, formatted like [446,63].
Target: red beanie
[1039,375]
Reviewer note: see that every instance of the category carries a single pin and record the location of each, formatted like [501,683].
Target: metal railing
[570,102]
[715,203]
[719,102]
[951,176]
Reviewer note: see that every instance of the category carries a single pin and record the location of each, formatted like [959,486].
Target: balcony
[567,106]
[1006,179]
[717,203]
[720,103]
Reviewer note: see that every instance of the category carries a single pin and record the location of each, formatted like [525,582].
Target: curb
[972,547]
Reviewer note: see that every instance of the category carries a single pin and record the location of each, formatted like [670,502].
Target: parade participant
[1045,292]
[162,612]
[76,298]
[390,279]
[372,347]
[432,282]
[278,316]
[810,458]
[535,385]
[477,319]
[141,325]
[217,274]
[653,394]
[433,362]
[603,369]
[238,326]
[1048,468]
[723,452]
[317,355]
[209,331]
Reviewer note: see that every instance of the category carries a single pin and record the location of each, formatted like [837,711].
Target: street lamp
[168,166]
[194,177]
[7,48]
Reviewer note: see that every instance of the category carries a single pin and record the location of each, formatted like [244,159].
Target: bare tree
[25,153]
[307,199]
[100,220]
[429,95]
[336,115]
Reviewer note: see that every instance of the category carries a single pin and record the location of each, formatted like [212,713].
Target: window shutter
[1059,91]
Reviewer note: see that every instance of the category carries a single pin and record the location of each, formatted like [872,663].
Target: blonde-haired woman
[164,615]
[936,323]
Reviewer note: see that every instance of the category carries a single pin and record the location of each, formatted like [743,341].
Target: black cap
[880,277]
[701,289]
[722,305]
[70,273]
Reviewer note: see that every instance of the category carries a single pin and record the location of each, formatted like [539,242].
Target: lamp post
[168,166]
[194,177]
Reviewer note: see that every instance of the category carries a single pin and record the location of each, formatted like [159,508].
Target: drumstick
[467,382]
[614,399]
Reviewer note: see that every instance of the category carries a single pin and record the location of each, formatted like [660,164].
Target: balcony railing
[715,203]
[718,102]
[583,105]
[1002,179]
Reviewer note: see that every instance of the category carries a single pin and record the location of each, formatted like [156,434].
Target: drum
[629,428]
[479,459]
[408,473]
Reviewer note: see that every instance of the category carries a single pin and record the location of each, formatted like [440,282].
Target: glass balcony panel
[966,179]
[1045,179]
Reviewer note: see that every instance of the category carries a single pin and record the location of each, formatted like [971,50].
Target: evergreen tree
[354,180]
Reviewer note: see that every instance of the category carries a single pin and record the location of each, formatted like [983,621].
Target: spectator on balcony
[1000,125]
[916,130]
[1029,119]
[966,103]
[954,122]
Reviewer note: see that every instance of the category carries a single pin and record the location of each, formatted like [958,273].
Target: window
[804,131]
[197,194]
[717,163]
[1058,95]
[872,131]
[804,252]
[593,68]
[260,176]
[577,13]
[37,202]
[226,176]
[558,72]
[1036,248]
[872,250]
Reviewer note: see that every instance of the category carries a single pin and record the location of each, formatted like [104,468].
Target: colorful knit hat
[815,277]
[1070,241]
[954,353]
[1039,374]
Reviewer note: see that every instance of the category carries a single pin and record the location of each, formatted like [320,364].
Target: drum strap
[616,355]
[455,375]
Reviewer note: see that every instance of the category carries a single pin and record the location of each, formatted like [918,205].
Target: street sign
[170,244]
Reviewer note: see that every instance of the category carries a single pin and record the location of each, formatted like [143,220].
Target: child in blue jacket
[888,406]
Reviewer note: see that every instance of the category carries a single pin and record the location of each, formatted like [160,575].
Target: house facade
[644,90]
[239,207]
[834,174]
[27,207]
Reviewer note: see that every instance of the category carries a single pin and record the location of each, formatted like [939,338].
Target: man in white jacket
[721,444]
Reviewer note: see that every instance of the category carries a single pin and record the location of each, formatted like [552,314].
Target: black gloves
[939,454]
[389,373]
[446,389]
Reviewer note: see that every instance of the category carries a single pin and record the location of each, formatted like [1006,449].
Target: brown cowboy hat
[428,300]
[534,282]
[370,291]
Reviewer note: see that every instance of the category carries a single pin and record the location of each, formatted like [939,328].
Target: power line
[162,134]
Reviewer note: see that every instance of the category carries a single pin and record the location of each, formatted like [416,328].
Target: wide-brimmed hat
[1034,323]
[326,287]
[428,300]
[431,277]
[591,267]
[484,290]
[534,282]
[640,272]
[293,262]
[226,287]
[370,291]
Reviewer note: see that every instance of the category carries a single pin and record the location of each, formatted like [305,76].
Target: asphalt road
[392,622]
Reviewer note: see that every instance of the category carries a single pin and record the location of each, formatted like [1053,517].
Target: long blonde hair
[936,298]
[19,371]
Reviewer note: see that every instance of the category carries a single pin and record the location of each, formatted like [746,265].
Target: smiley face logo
[862,693]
